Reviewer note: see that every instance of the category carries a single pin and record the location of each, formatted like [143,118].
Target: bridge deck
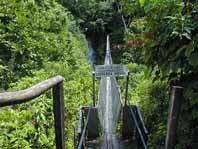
[121,144]
[109,106]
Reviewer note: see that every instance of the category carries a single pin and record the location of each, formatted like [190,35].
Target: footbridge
[111,124]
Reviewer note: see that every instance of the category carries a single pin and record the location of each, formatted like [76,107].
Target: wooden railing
[56,83]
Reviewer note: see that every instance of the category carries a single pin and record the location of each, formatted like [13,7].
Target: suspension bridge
[109,123]
[97,125]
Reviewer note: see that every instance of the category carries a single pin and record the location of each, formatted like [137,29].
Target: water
[91,55]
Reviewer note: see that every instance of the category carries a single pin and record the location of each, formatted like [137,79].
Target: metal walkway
[109,105]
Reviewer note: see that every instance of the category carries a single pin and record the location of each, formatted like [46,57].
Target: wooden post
[58,104]
[176,100]
[126,92]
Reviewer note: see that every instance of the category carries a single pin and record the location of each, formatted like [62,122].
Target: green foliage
[33,33]
[28,125]
[167,31]
[93,15]
[97,18]
[38,40]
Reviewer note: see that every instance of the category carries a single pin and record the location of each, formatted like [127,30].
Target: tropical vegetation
[156,39]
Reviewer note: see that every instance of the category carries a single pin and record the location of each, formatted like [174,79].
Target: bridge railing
[139,125]
[82,128]
[56,83]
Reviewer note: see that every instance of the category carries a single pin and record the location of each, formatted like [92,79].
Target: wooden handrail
[56,83]
[11,98]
